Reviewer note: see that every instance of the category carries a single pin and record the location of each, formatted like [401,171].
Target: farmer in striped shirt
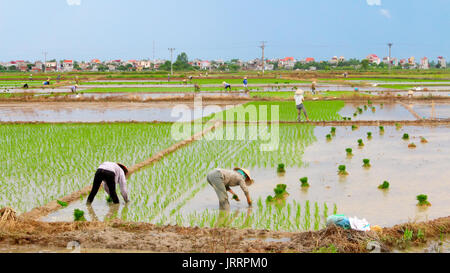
[111,174]
[221,180]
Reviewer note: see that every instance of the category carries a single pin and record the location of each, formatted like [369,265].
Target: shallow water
[389,111]
[436,246]
[432,110]
[410,172]
[98,112]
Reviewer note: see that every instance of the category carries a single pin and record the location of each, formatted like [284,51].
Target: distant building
[424,63]
[441,61]
[412,60]
[373,59]
[309,60]
[287,62]
[334,60]
[51,66]
[67,65]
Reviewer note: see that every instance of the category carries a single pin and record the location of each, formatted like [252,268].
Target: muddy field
[116,236]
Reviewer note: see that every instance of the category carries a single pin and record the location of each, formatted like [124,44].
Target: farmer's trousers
[300,108]
[109,178]
[215,179]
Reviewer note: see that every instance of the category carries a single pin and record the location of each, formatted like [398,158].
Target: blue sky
[213,29]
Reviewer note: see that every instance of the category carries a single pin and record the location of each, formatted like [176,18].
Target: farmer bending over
[299,104]
[221,180]
[227,86]
[112,174]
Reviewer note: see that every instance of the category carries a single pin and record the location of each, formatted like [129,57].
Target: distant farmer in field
[31,77]
[299,104]
[111,174]
[245,82]
[47,82]
[313,87]
[227,86]
[221,180]
[58,78]
[74,88]
[168,77]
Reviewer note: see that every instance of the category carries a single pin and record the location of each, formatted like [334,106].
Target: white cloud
[73,2]
[385,13]
[373,2]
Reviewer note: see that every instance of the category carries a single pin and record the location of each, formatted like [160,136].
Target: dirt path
[117,235]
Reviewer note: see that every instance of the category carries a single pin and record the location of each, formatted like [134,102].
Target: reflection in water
[112,214]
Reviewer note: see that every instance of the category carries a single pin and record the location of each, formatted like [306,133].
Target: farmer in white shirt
[299,104]
[111,174]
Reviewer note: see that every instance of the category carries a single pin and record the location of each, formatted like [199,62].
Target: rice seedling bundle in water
[423,200]
[342,170]
[384,185]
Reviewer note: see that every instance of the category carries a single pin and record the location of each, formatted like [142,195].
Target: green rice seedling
[344,118]
[109,199]
[349,151]
[365,107]
[328,137]
[316,216]
[384,186]
[304,182]
[407,235]
[420,234]
[307,216]
[369,102]
[329,249]
[381,105]
[78,215]
[423,140]
[398,126]
[412,145]
[62,203]
[354,127]
[405,136]
[360,110]
[325,211]
[355,114]
[342,170]
[280,168]
[333,130]
[366,163]
[381,130]
[280,191]
[335,210]
[349,118]
[360,143]
[374,109]
[422,198]
[369,135]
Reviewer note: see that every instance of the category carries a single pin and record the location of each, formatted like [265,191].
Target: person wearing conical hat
[299,98]
[313,87]
[222,180]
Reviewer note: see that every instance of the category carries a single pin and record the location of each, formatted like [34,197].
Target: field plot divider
[38,212]
[409,108]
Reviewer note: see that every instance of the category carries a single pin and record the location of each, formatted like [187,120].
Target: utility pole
[153,54]
[171,60]
[263,46]
[389,63]
[45,60]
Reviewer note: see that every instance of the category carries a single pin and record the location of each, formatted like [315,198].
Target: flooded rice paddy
[410,172]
